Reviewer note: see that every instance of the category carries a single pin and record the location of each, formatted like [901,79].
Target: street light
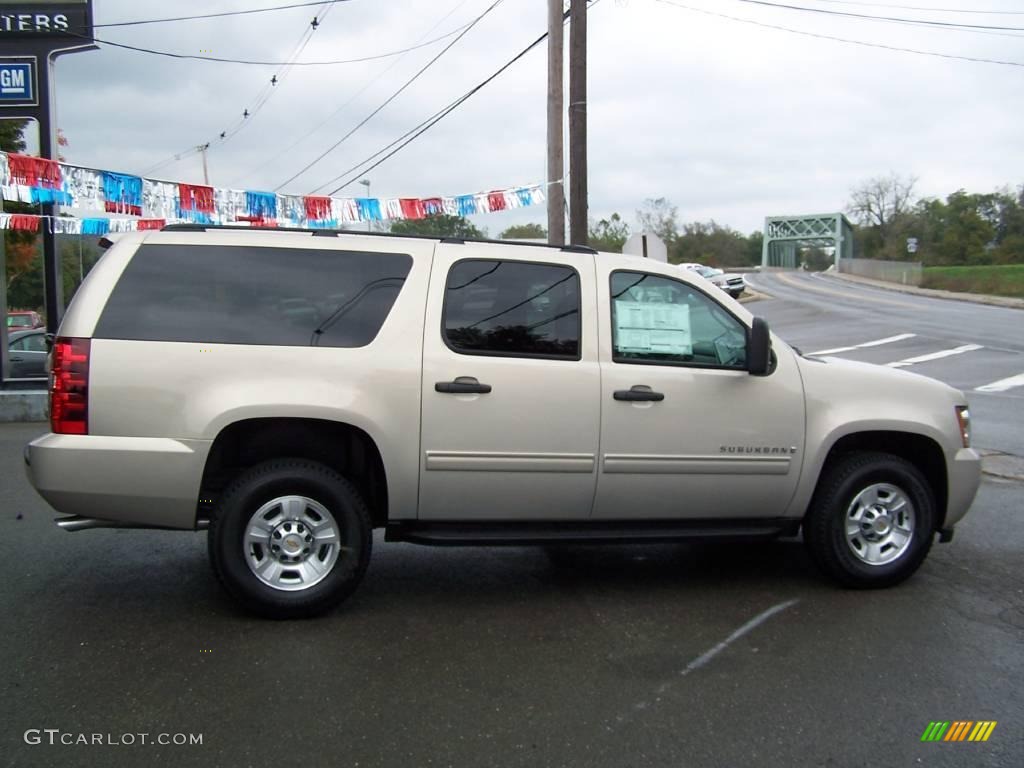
[366,183]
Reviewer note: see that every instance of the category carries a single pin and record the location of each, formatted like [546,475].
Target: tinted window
[659,320]
[513,308]
[244,295]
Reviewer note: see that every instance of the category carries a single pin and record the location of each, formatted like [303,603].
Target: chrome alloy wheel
[880,524]
[292,543]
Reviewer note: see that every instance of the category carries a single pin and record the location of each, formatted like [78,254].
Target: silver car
[27,352]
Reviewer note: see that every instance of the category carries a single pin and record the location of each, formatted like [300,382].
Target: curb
[24,405]
[750,295]
[1007,302]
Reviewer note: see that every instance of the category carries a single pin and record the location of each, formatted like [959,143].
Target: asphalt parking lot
[685,655]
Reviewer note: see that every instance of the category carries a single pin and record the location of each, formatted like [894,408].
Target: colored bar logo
[959,730]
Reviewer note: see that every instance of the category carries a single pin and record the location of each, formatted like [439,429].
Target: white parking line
[1003,384]
[935,355]
[877,343]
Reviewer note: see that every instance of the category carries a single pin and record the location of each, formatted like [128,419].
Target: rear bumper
[964,479]
[138,480]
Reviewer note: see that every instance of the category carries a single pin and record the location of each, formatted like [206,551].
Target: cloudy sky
[729,120]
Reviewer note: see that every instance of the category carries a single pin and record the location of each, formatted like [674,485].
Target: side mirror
[759,348]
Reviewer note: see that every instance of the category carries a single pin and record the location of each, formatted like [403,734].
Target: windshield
[19,321]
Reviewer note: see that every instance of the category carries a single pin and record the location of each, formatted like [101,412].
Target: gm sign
[18,82]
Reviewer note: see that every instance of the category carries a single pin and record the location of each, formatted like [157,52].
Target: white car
[732,284]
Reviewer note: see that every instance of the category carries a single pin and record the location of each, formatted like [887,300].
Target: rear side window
[242,295]
[513,308]
[34,342]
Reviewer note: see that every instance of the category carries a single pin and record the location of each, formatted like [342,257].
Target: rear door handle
[16,359]
[638,394]
[463,385]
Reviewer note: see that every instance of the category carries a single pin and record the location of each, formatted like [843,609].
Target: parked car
[18,320]
[26,353]
[469,392]
[733,284]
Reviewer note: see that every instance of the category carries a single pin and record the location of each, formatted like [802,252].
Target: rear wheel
[872,520]
[291,538]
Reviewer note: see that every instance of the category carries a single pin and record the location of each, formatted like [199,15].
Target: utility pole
[556,103]
[578,225]
[206,174]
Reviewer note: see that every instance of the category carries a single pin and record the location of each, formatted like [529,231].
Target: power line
[269,89]
[879,18]
[354,96]
[417,131]
[392,97]
[212,15]
[274,84]
[414,133]
[841,39]
[919,8]
[173,55]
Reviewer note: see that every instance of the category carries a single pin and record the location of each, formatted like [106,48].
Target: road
[981,345]
[688,655]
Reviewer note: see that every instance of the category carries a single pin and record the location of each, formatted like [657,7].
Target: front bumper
[149,481]
[964,479]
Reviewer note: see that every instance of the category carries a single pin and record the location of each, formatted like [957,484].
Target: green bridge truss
[784,236]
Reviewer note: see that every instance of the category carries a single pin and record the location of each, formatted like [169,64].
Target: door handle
[16,359]
[638,394]
[463,385]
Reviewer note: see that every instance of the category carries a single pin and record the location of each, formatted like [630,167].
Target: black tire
[263,483]
[825,525]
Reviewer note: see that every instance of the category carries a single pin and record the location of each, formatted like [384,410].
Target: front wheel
[872,520]
[291,538]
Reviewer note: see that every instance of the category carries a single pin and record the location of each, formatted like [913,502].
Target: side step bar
[74,523]
[585,532]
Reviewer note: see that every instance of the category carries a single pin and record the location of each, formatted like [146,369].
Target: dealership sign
[22,18]
[33,33]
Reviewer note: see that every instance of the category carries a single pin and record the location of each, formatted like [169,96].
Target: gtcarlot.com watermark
[57,737]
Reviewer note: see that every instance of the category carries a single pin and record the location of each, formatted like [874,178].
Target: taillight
[69,387]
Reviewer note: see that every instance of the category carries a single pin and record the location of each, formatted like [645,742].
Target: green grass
[1003,280]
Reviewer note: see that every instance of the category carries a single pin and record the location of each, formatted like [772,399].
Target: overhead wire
[414,133]
[264,95]
[392,97]
[222,14]
[257,63]
[920,8]
[850,14]
[273,85]
[834,38]
[356,95]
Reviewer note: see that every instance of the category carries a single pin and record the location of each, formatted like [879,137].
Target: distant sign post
[911,245]
[33,33]
[647,245]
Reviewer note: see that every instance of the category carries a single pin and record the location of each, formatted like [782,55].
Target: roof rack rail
[335,232]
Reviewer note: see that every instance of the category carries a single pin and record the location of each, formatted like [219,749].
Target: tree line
[965,228]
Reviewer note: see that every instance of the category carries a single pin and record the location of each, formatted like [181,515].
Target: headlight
[963,417]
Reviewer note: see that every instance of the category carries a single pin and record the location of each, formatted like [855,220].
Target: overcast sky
[728,120]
